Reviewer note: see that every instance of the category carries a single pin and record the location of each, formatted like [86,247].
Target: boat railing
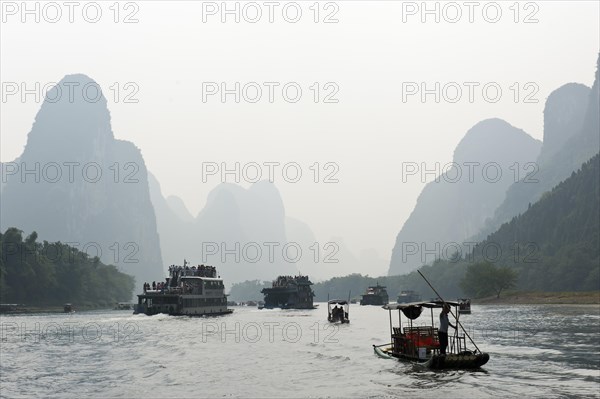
[409,341]
[457,343]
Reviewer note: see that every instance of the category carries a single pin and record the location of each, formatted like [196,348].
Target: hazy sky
[374,54]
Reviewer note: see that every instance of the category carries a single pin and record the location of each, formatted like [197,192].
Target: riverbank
[534,298]
[24,309]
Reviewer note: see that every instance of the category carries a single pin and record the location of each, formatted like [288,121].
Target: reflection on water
[536,350]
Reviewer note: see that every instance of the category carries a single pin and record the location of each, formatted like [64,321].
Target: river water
[535,351]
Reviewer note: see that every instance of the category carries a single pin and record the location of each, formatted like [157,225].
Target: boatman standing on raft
[443,330]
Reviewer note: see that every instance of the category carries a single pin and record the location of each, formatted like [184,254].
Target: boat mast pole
[453,315]
[391,331]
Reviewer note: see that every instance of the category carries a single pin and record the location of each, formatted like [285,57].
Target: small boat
[123,306]
[375,295]
[464,306]
[420,344]
[337,314]
[68,308]
[408,296]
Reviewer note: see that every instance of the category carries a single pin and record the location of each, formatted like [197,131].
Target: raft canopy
[337,302]
[429,304]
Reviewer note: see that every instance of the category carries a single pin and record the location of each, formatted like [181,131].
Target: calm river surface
[536,351]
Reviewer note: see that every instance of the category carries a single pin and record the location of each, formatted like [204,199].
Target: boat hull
[375,300]
[457,361]
[184,312]
[466,360]
[339,321]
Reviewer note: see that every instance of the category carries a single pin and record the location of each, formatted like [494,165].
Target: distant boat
[188,291]
[289,292]
[338,311]
[408,296]
[123,306]
[68,308]
[375,295]
[464,306]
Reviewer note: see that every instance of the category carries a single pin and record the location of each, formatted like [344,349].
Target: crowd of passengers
[175,272]
[283,281]
[160,286]
[338,313]
[200,271]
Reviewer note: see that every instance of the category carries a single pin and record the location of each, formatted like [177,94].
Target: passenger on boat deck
[335,313]
[443,330]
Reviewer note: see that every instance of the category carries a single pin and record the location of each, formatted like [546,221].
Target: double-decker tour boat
[188,291]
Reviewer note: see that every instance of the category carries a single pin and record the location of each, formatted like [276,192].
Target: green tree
[483,279]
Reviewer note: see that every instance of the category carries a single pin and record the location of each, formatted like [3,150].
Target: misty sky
[370,55]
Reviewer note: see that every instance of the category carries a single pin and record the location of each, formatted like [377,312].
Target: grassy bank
[533,297]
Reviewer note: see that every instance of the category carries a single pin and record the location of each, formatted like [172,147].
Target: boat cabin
[338,311]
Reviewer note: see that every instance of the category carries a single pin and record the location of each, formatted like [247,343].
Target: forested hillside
[555,244]
[45,274]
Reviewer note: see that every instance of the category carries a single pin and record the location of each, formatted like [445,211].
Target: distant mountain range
[455,207]
[571,137]
[466,212]
[240,231]
[252,218]
[76,183]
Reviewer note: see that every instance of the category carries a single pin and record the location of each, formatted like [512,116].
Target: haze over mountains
[571,137]
[456,205]
[76,183]
[234,231]
[235,218]
[87,188]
